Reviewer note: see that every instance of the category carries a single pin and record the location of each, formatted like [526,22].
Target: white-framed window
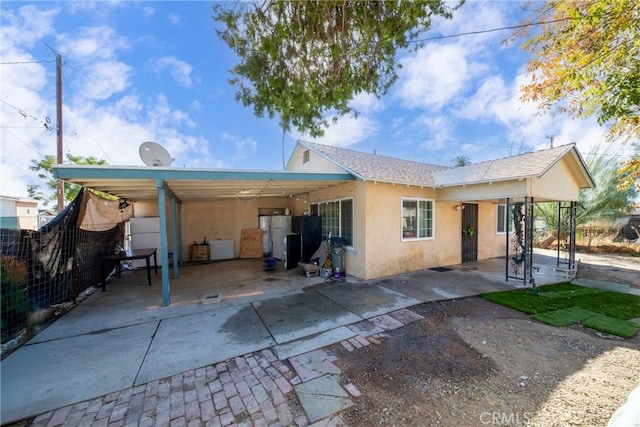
[502,219]
[417,219]
[337,218]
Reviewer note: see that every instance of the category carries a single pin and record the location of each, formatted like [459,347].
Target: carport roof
[141,183]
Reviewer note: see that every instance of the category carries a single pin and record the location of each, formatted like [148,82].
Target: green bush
[13,297]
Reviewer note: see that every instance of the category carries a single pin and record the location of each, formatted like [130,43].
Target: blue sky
[139,71]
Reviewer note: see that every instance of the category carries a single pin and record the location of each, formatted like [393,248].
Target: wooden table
[131,254]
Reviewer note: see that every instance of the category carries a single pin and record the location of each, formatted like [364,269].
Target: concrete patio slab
[304,345]
[322,397]
[367,300]
[49,375]
[202,339]
[295,316]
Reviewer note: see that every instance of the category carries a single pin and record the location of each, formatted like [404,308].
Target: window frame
[506,226]
[317,204]
[432,228]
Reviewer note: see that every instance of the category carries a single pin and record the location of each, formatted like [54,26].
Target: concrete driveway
[123,337]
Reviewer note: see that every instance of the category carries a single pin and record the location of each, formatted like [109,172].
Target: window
[417,219]
[337,219]
[501,219]
[305,156]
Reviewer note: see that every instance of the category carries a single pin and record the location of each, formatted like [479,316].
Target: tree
[587,62]
[304,60]
[461,161]
[44,168]
[630,171]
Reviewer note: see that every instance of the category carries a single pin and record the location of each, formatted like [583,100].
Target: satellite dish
[154,154]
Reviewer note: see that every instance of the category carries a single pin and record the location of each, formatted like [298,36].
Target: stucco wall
[213,219]
[222,219]
[557,184]
[355,257]
[387,254]
[490,243]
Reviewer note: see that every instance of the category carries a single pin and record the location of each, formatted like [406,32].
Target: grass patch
[565,304]
[611,325]
[564,317]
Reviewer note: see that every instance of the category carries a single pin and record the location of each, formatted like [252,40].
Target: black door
[469,232]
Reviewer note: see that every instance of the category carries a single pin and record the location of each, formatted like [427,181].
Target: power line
[27,62]
[492,30]
[46,122]
[23,142]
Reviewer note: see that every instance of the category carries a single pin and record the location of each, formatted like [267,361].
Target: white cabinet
[221,249]
[145,234]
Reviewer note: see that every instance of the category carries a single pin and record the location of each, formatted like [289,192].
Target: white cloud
[435,75]
[345,132]
[29,26]
[92,43]
[367,103]
[174,18]
[180,70]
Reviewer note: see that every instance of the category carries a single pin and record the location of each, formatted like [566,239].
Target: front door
[469,232]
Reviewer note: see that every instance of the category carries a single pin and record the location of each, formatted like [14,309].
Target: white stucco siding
[490,243]
[387,253]
[314,163]
[557,184]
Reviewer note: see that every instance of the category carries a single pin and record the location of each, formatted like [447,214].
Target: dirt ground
[473,363]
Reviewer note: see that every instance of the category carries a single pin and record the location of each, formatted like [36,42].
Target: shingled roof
[373,167]
[528,165]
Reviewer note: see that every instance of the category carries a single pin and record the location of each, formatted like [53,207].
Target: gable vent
[305,156]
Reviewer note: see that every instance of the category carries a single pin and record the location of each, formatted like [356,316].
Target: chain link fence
[44,272]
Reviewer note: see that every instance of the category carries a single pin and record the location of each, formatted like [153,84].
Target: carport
[175,186]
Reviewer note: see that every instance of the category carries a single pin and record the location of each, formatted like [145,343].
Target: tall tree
[44,168]
[305,60]
[630,171]
[587,63]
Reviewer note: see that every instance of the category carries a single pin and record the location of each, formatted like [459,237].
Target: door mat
[441,269]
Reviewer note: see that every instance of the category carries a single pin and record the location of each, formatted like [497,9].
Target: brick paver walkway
[251,390]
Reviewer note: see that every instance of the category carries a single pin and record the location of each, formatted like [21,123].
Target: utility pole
[59,127]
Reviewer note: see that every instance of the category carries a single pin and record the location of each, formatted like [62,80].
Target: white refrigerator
[280,227]
[145,233]
[264,224]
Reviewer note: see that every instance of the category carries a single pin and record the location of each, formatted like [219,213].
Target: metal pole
[59,160]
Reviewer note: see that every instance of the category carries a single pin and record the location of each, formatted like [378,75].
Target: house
[18,213]
[401,216]
[395,215]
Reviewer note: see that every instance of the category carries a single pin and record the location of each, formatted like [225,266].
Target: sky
[156,71]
